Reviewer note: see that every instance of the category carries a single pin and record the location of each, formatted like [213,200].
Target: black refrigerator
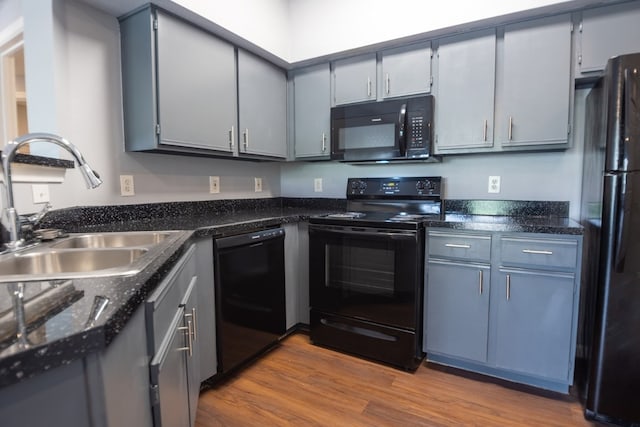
[608,352]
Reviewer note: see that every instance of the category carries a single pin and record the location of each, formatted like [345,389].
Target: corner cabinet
[504,304]
[179,86]
[312,112]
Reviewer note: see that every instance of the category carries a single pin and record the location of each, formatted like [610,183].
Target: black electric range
[366,269]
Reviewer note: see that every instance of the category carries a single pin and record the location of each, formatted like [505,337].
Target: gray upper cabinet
[536,85]
[606,32]
[354,79]
[179,86]
[464,90]
[312,111]
[262,97]
[406,70]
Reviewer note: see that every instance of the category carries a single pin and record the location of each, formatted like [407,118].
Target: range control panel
[394,187]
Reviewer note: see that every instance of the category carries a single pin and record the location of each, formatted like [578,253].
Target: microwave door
[402,130]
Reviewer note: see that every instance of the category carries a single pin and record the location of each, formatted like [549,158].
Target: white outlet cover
[126,185]
[214,184]
[258,185]
[494,184]
[317,185]
[40,193]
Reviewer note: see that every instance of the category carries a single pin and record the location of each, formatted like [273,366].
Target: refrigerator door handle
[622,223]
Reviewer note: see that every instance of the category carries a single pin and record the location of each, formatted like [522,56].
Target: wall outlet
[494,184]
[317,185]
[257,185]
[40,193]
[214,184]
[126,185]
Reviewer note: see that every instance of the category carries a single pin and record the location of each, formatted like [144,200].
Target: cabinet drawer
[459,246]
[545,253]
[161,306]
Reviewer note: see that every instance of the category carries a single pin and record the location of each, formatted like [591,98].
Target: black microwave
[396,129]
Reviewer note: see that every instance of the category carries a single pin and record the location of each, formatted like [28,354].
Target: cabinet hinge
[154,394]
[571,27]
[155,24]
[431,81]
[568,128]
[579,59]
[157,129]
[580,27]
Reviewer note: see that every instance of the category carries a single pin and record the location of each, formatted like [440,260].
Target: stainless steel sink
[87,255]
[55,262]
[113,240]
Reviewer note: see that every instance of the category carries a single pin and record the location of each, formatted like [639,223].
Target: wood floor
[299,384]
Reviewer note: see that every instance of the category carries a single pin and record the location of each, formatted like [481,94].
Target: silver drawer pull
[453,245]
[508,287]
[480,280]
[532,251]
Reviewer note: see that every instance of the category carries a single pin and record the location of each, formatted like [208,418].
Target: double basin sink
[86,255]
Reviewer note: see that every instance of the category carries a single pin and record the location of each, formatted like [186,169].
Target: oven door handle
[362,232]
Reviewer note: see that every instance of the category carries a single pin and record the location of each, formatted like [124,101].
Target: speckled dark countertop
[64,335]
[29,159]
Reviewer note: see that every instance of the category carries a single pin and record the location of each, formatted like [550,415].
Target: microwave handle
[402,130]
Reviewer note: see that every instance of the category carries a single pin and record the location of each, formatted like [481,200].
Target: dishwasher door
[250,295]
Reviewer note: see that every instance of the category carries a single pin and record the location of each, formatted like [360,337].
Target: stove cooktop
[375,219]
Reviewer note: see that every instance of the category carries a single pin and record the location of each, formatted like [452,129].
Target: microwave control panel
[416,132]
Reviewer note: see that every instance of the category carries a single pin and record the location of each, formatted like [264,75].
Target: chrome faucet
[16,239]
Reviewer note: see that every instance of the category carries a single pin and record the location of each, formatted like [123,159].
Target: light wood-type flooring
[299,384]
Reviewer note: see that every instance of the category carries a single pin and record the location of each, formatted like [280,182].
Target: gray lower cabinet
[262,103]
[508,309]
[205,307]
[172,332]
[179,86]
[312,112]
[457,305]
[606,32]
[296,251]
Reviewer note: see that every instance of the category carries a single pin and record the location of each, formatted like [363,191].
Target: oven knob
[354,185]
[420,185]
[363,185]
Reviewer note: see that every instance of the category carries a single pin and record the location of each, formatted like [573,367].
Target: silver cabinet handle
[508,287]
[231,143]
[192,315]
[368,87]
[480,280]
[324,142]
[387,83]
[189,329]
[453,245]
[245,136]
[510,128]
[484,132]
[532,251]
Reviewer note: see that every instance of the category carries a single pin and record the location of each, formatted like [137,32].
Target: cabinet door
[312,111]
[457,309]
[536,86]
[534,323]
[606,32]
[406,71]
[262,92]
[190,321]
[169,377]
[354,79]
[205,318]
[196,86]
[465,88]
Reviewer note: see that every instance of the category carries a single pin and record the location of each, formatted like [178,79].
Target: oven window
[371,136]
[360,269]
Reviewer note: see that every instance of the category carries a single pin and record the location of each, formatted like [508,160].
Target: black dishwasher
[250,295]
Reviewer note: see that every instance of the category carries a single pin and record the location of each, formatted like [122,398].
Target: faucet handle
[36,217]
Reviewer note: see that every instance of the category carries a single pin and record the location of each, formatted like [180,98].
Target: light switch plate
[317,185]
[126,185]
[494,184]
[214,184]
[258,185]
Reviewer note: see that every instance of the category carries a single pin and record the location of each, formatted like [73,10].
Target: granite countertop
[66,333]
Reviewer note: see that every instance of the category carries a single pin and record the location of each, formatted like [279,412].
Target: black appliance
[250,295]
[397,129]
[366,269]
[608,356]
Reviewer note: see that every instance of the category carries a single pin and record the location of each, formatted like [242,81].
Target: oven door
[367,273]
